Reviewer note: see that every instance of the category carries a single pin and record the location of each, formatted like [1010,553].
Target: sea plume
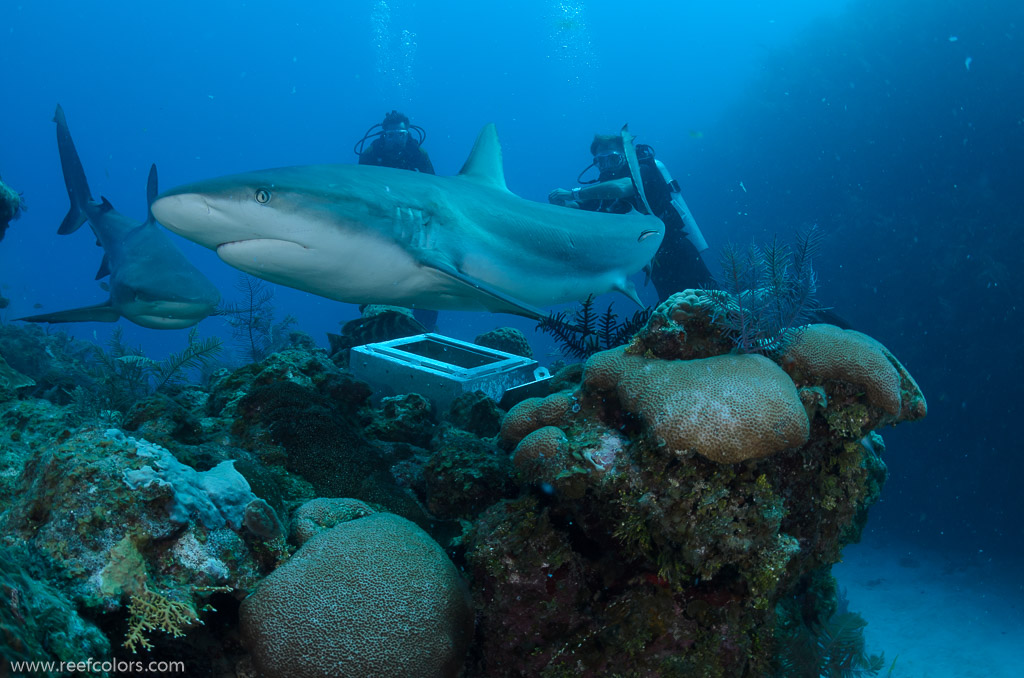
[765,294]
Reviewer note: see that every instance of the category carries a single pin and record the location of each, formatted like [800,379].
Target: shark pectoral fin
[100,313]
[494,300]
[104,268]
[629,289]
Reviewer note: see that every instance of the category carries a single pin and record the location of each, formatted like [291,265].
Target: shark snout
[188,215]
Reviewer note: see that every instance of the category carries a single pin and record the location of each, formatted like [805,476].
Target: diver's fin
[74,176]
[634,165]
[496,301]
[100,313]
[629,289]
[151,192]
[484,163]
[104,268]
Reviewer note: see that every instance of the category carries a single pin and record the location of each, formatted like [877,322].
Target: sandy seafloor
[944,616]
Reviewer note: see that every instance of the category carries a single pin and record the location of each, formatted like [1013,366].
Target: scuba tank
[693,233]
[646,154]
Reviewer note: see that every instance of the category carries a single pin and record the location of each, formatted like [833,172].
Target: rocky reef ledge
[674,509]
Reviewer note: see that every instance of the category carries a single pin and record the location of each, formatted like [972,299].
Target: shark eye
[262,196]
[645,235]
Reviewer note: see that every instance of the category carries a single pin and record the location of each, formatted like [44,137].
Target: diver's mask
[609,161]
[395,139]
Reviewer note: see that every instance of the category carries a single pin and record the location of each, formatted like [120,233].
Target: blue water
[897,127]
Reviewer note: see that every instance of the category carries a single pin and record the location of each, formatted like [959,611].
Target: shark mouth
[267,257]
[258,242]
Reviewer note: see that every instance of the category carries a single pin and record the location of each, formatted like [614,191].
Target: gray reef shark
[376,235]
[152,284]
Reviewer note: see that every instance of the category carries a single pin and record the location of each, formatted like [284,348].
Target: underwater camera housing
[441,369]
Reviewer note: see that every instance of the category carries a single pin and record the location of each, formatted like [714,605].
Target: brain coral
[822,352]
[533,413]
[729,408]
[541,449]
[681,328]
[372,598]
[324,513]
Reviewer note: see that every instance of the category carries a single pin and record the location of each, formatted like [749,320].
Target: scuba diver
[399,144]
[12,204]
[679,264]
[396,143]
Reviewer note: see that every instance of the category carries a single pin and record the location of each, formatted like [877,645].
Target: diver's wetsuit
[678,265]
[412,157]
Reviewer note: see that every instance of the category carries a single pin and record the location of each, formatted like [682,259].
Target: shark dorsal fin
[484,164]
[151,192]
[105,205]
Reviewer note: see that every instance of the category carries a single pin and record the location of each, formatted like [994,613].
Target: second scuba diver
[679,264]
[398,143]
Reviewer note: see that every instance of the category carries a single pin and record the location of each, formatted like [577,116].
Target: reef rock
[682,495]
[123,525]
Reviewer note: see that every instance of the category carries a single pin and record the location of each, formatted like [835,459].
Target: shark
[376,235]
[151,284]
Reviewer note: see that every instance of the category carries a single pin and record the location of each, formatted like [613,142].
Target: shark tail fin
[74,177]
[103,313]
[151,193]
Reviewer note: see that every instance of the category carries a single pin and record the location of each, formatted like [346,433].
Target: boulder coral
[728,408]
[822,353]
[374,597]
[539,450]
[533,413]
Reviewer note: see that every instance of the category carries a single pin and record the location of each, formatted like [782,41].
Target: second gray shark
[152,284]
[366,234]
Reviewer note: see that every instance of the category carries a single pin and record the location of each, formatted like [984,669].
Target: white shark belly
[375,273]
[164,315]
